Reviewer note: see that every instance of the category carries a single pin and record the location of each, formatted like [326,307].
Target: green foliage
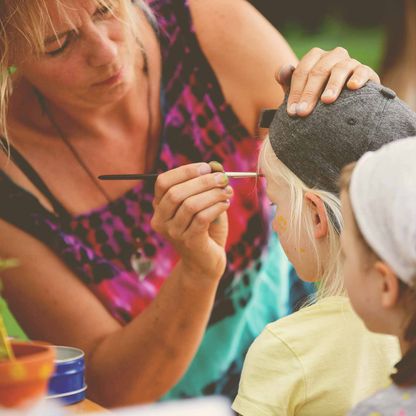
[363,44]
[12,327]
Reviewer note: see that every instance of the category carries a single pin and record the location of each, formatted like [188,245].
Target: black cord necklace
[61,134]
[139,262]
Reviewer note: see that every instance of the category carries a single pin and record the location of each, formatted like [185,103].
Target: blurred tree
[379,33]
[310,15]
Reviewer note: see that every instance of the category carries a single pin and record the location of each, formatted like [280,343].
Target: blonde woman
[320,360]
[129,272]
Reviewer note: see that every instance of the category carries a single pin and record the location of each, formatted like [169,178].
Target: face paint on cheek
[281,223]
[301,250]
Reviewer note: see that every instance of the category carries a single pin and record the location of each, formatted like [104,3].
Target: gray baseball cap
[315,148]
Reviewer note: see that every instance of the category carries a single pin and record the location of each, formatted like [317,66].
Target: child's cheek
[280,224]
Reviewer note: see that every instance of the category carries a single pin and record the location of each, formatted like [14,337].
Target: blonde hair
[23,28]
[331,280]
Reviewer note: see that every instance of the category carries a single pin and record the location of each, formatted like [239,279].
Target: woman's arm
[143,360]
[245,51]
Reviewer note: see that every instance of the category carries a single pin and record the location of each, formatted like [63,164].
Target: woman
[399,60]
[92,95]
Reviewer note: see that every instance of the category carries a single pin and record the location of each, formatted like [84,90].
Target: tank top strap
[35,178]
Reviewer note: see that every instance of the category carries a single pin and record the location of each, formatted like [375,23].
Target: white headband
[383,199]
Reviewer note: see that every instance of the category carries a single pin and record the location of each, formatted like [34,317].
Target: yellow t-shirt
[319,361]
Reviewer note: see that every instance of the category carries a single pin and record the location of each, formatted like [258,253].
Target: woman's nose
[101,50]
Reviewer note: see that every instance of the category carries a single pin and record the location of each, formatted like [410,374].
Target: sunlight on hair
[24,25]
[331,280]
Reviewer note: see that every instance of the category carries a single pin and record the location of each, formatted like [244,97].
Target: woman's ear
[318,213]
[389,285]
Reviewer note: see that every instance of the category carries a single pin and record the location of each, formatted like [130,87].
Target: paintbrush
[6,351]
[135,176]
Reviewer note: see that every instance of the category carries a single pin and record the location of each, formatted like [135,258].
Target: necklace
[139,262]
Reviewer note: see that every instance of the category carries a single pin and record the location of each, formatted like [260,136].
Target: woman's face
[298,248]
[88,65]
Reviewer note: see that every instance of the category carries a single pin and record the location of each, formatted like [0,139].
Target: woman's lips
[114,79]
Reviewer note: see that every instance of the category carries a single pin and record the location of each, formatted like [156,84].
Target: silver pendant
[140,263]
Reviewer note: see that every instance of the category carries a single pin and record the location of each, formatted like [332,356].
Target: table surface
[86,406]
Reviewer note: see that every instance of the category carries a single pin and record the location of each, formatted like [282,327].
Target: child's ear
[389,285]
[318,213]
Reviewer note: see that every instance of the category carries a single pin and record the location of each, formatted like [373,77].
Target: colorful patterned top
[392,401]
[100,246]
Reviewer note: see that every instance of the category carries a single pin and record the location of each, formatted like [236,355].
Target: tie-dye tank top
[114,250]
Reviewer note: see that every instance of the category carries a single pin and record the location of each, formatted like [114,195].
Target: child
[379,242]
[320,360]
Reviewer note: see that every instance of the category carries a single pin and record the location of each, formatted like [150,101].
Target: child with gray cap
[320,360]
[379,240]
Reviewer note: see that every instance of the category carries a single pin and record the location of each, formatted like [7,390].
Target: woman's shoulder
[16,187]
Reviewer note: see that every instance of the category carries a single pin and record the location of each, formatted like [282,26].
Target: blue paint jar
[67,384]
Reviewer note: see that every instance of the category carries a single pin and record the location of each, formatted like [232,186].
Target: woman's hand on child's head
[190,211]
[322,74]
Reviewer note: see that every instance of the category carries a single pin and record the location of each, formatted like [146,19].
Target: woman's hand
[190,211]
[322,74]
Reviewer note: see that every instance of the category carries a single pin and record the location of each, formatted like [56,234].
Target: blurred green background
[360,26]
[364,44]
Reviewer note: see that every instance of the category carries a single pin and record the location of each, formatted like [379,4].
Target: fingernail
[228,190]
[284,75]
[204,168]
[216,166]
[221,179]
[328,94]
[292,109]
[354,83]
[301,107]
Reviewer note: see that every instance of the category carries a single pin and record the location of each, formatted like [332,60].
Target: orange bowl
[25,379]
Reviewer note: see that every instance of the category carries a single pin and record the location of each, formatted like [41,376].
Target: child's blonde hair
[331,281]
[23,28]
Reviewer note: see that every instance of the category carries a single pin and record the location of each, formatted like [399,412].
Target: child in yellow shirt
[320,360]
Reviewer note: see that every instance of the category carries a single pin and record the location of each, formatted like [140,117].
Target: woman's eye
[104,10]
[52,50]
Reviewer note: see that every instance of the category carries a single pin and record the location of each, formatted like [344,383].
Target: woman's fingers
[361,75]
[167,180]
[210,219]
[185,200]
[322,75]
[176,196]
[300,78]
[328,76]
[196,214]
